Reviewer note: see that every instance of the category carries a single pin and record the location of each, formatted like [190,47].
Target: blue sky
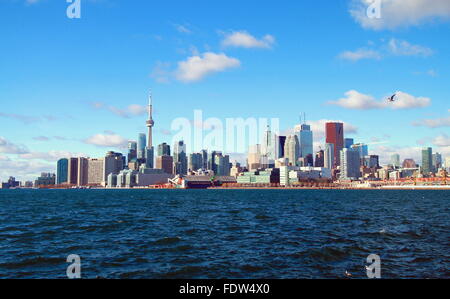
[67,86]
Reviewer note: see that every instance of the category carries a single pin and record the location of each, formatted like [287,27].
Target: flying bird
[392,99]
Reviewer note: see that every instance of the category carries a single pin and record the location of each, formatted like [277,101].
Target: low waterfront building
[268,176]
[45,180]
[11,183]
[294,174]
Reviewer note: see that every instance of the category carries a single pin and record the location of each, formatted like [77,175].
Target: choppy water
[224,233]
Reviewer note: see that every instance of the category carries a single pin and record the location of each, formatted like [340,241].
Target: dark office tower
[165,163]
[348,142]
[62,171]
[195,161]
[180,158]
[320,159]
[335,135]
[212,165]
[163,150]
[204,159]
[427,160]
[281,143]
[73,171]
[132,150]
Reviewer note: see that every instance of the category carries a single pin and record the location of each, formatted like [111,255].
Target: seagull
[348,274]
[392,99]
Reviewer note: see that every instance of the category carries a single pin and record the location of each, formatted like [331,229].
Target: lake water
[224,233]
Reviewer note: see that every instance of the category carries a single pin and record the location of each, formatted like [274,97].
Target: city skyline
[91,106]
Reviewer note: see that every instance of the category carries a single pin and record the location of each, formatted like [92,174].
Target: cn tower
[150,123]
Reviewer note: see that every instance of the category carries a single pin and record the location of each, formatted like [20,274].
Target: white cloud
[442,140]
[434,123]
[404,48]
[8,147]
[244,39]
[197,67]
[400,13]
[107,140]
[50,156]
[128,112]
[23,170]
[394,47]
[385,153]
[360,54]
[359,101]
[182,28]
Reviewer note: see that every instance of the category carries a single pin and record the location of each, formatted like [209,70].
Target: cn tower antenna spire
[150,122]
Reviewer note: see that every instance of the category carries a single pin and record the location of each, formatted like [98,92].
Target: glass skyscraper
[427,160]
[141,144]
[62,171]
[305,139]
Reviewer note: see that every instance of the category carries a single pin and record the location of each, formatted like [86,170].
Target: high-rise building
[409,163]
[329,156]
[254,157]
[204,159]
[362,148]
[320,159]
[437,161]
[395,160]
[62,171]
[350,164]
[348,142]
[132,150]
[292,149]
[112,164]
[195,161]
[223,165]
[305,139]
[82,171]
[141,143]
[447,163]
[165,163]
[335,135]
[73,171]
[95,172]
[164,149]
[371,161]
[268,147]
[149,157]
[281,142]
[180,158]
[427,160]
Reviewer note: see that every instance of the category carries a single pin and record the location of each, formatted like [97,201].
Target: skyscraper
[163,149]
[82,171]
[165,163]
[268,146]
[350,164]
[329,156]
[254,157]
[112,164]
[320,159]
[281,142]
[204,159]
[73,171]
[305,139]
[132,150]
[348,142]
[180,158]
[195,161]
[335,135]
[95,172]
[291,149]
[427,160]
[437,161]
[142,140]
[62,171]
[395,160]
[223,165]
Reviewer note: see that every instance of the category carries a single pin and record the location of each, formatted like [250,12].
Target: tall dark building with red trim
[335,135]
